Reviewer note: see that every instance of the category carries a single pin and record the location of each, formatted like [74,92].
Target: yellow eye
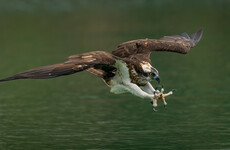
[151,74]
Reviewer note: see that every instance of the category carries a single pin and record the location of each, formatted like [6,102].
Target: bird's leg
[148,88]
[136,90]
[149,92]
[158,94]
[155,104]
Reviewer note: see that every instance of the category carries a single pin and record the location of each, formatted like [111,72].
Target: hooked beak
[157,78]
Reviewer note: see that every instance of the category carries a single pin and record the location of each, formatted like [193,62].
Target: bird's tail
[44,72]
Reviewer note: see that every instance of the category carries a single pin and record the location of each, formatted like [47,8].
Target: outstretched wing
[176,43]
[73,64]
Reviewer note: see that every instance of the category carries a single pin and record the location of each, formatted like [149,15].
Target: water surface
[78,111]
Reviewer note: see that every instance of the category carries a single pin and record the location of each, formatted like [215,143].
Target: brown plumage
[73,64]
[176,43]
[102,63]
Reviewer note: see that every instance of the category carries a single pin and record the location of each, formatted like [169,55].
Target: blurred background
[78,111]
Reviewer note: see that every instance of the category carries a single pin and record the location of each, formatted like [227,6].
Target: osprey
[127,69]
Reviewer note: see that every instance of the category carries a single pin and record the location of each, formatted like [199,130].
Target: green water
[78,111]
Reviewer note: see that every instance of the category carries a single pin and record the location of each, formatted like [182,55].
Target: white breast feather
[122,73]
[121,77]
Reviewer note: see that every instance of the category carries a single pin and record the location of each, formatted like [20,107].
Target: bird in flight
[127,69]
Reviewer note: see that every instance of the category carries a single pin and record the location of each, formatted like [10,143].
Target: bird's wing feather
[176,43]
[73,64]
[98,72]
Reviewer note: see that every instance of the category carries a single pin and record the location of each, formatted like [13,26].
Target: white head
[150,72]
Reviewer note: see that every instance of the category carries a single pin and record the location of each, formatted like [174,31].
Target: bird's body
[127,69]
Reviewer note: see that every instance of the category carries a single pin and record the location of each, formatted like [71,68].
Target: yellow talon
[160,95]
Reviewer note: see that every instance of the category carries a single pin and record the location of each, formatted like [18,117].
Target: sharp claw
[173,90]
[165,106]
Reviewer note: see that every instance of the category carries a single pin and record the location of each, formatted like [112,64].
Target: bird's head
[150,72]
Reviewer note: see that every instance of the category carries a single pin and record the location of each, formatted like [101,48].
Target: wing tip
[197,36]
[11,78]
